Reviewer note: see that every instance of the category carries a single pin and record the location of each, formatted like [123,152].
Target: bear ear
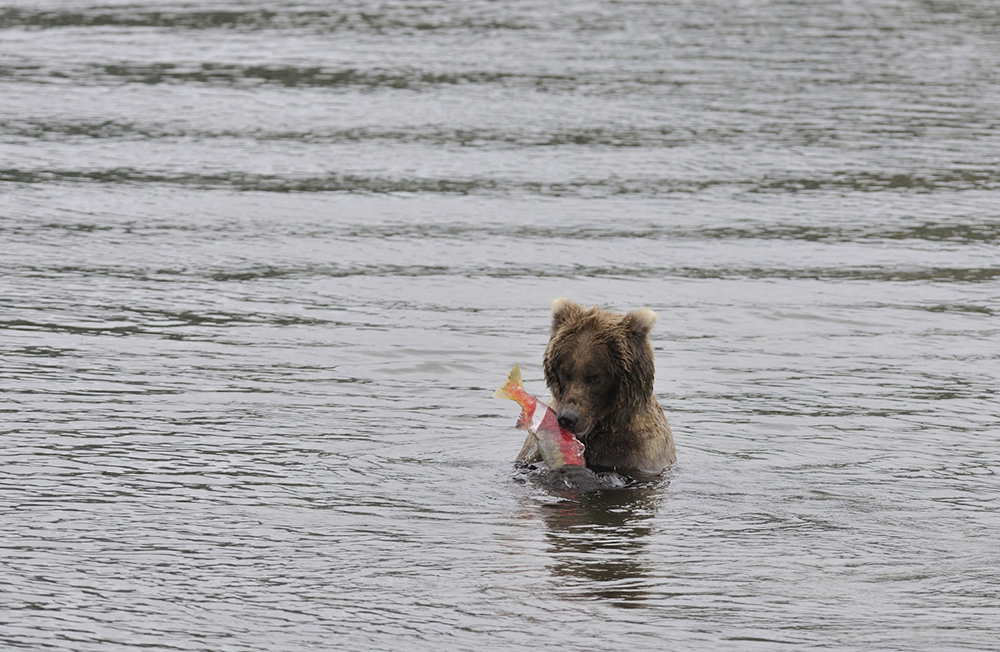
[564,309]
[640,322]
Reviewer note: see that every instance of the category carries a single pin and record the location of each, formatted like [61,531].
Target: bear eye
[592,379]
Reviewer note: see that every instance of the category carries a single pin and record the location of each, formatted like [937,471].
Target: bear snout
[568,419]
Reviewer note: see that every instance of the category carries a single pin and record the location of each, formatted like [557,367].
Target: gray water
[263,264]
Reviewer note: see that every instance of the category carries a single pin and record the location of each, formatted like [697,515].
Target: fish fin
[513,380]
[529,452]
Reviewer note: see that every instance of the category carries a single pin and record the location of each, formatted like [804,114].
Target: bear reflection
[599,538]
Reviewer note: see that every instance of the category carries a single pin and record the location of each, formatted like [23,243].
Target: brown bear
[599,368]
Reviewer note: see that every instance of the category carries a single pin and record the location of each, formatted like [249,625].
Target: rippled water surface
[262,265]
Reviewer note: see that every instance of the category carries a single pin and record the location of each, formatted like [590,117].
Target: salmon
[556,444]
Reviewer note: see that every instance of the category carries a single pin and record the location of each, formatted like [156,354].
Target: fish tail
[514,390]
[513,380]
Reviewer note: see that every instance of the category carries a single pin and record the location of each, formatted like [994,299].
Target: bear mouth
[583,433]
[580,425]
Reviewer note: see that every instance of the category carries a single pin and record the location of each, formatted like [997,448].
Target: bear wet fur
[599,367]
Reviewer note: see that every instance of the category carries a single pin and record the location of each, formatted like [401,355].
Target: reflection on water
[597,543]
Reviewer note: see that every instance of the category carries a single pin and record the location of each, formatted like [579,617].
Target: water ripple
[264,264]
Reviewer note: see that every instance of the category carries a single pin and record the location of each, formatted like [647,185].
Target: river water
[264,263]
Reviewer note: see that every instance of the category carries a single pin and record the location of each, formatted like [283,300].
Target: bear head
[599,367]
